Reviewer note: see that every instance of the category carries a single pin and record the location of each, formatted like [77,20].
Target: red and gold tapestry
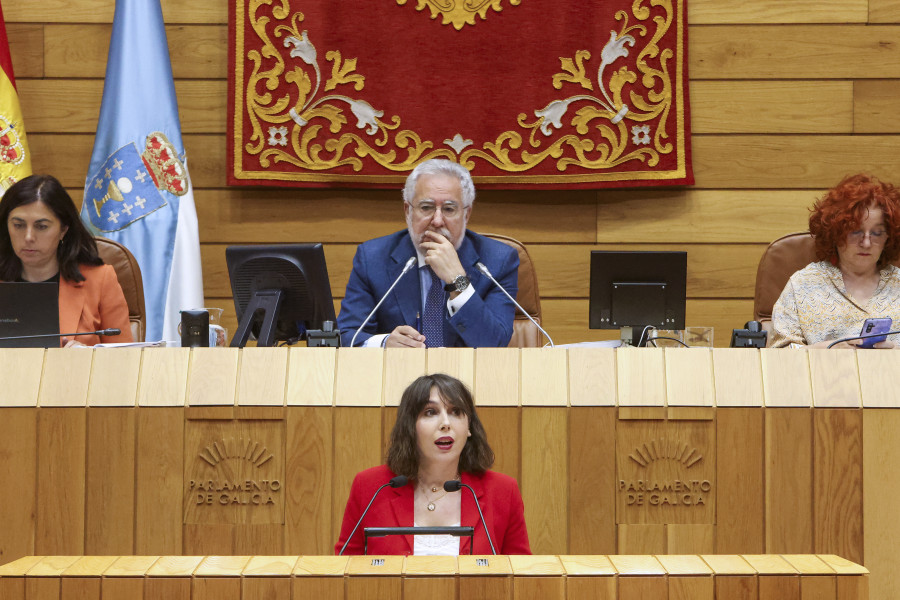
[523,93]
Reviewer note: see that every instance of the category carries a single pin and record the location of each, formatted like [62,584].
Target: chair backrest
[129,275]
[783,257]
[525,334]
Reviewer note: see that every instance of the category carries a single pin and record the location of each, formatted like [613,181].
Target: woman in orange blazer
[437,437]
[45,240]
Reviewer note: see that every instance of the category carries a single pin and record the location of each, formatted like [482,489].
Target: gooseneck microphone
[412,260]
[487,273]
[396,482]
[454,485]
[110,331]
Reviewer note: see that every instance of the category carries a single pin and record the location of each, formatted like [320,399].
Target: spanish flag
[15,160]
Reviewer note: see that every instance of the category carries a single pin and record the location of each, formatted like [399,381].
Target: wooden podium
[676,577]
[251,452]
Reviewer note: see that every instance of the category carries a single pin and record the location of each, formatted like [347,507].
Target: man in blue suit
[471,310]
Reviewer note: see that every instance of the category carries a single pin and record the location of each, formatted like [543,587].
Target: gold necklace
[431,506]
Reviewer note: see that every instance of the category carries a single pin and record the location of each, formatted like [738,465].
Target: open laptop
[29,309]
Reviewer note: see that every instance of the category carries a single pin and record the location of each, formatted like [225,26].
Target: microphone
[487,273]
[110,331]
[412,260]
[396,482]
[454,485]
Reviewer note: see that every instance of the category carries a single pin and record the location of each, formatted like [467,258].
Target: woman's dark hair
[403,454]
[77,246]
[844,207]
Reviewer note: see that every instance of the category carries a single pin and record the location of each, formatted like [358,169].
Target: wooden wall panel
[200,47]
[807,53]
[789,483]
[772,11]
[544,466]
[503,425]
[309,442]
[695,214]
[160,477]
[881,488]
[79,588]
[690,539]
[18,493]
[875,106]
[122,588]
[740,481]
[884,11]
[26,47]
[640,539]
[110,499]
[691,588]
[61,434]
[804,161]
[42,589]
[837,477]
[772,106]
[592,480]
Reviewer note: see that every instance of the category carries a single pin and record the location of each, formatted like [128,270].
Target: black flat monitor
[29,313]
[636,289]
[280,291]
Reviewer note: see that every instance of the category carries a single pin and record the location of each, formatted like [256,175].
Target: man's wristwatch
[457,285]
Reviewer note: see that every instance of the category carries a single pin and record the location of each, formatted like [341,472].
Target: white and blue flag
[138,191]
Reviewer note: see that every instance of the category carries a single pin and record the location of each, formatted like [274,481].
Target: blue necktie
[433,319]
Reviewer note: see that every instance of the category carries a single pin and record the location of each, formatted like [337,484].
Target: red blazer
[92,304]
[497,493]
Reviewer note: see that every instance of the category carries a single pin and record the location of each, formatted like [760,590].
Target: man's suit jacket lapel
[71,303]
[404,515]
[407,294]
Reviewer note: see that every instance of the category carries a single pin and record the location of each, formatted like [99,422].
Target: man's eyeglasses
[876,237]
[450,210]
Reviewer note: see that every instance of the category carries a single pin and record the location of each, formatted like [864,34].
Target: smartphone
[870,326]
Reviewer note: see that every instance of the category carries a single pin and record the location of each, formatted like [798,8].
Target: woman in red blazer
[45,240]
[437,437]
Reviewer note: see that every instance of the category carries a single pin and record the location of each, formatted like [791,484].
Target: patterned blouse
[815,306]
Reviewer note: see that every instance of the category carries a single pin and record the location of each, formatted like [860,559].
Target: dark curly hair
[403,453]
[77,246]
[843,208]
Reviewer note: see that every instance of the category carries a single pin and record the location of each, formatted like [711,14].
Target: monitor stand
[268,301]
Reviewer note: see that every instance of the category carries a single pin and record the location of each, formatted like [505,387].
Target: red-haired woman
[856,228]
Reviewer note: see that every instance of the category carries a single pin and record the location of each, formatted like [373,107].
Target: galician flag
[15,160]
[138,191]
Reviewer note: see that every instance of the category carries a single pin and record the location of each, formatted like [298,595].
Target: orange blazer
[92,304]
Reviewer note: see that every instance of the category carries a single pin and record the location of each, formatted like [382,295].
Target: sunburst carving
[664,449]
[253,452]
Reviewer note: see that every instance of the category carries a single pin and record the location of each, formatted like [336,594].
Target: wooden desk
[547,577]
[219,451]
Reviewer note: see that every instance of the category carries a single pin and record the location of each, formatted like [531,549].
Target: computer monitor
[280,291]
[29,315]
[634,289]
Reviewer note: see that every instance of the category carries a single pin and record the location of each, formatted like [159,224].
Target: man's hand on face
[404,336]
[441,256]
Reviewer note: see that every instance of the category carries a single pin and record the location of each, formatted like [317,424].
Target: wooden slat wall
[787,476]
[785,98]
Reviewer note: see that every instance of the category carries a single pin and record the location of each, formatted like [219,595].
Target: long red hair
[844,207]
